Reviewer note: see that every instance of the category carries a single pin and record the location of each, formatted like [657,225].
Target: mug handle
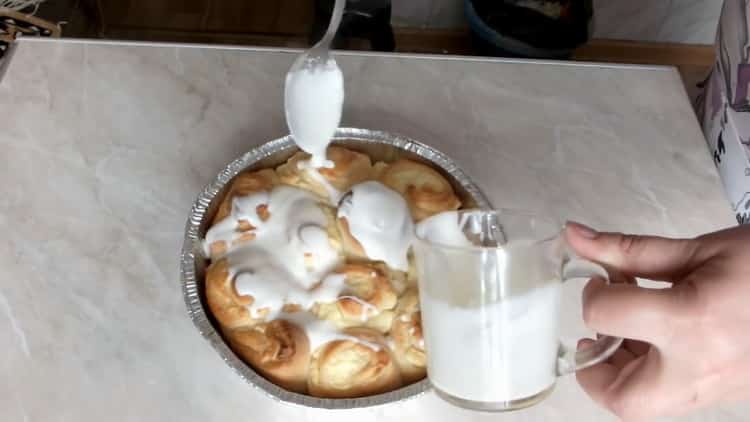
[570,361]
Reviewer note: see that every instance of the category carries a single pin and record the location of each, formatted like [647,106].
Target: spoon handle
[338,12]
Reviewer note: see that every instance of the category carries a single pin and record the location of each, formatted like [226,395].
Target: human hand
[689,345]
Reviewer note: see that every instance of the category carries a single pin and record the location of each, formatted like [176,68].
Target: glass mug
[490,286]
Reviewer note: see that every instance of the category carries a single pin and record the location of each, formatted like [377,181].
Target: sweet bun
[350,168]
[378,169]
[279,350]
[400,280]
[351,246]
[348,368]
[367,301]
[408,341]
[296,295]
[229,308]
[426,191]
[246,184]
[243,185]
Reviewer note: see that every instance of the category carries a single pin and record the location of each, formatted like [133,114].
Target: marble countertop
[106,145]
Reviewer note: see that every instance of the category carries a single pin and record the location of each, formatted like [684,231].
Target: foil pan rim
[191,248]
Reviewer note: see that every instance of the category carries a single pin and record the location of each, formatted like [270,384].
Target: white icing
[444,228]
[290,248]
[320,332]
[334,195]
[420,341]
[271,289]
[313,101]
[368,309]
[391,343]
[243,208]
[379,218]
[291,251]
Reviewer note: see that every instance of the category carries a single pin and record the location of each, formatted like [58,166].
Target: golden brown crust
[334,235]
[408,340]
[350,168]
[366,302]
[349,368]
[279,350]
[245,184]
[378,169]
[351,246]
[229,308]
[426,191]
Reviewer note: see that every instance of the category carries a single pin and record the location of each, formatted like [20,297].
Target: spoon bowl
[314,95]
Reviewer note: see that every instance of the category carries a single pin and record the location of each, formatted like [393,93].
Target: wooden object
[205,20]
[13,23]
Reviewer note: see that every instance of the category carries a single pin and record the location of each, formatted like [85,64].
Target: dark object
[363,19]
[4,45]
[13,23]
[529,28]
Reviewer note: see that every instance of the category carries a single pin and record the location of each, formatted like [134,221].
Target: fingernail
[583,230]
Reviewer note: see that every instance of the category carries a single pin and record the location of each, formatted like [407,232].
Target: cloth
[724,106]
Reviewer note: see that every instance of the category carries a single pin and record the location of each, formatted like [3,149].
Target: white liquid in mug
[500,352]
[491,323]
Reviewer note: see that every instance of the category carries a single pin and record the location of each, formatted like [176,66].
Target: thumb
[651,257]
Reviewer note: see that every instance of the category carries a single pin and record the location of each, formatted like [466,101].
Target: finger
[637,393]
[595,380]
[628,392]
[637,348]
[633,312]
[652,257]
[621,357]
[618,277]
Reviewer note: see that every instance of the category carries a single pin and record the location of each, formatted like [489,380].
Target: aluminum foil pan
[380,146]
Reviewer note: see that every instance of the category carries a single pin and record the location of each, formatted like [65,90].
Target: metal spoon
[319,54]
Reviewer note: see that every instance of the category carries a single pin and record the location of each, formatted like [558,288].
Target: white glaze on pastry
[379,219]
[292,243]
[334,195]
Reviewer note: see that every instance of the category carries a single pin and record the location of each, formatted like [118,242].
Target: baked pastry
[407,340]
[349,168]
[229,308]
[278,350]
[346,368]
[245,184]
[367,300]
[320,297]
[426,191]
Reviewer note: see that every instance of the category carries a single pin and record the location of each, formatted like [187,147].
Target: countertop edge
[129,43]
